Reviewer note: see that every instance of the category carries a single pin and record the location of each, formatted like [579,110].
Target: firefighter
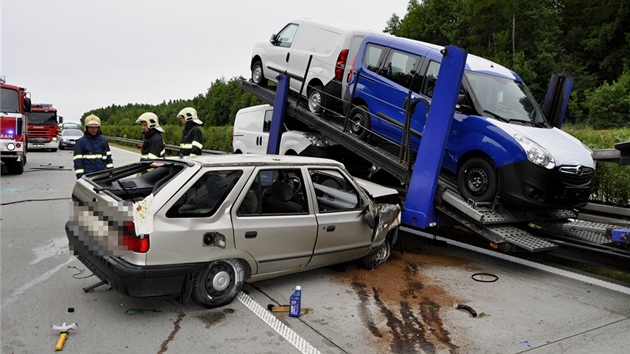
[91,152]
[192,138]
[153,145]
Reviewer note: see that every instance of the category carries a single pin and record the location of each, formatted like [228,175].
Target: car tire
[258,76]
[359,122]
[478,180]
[219,283]
[378,257]
[316,99]
[15,167]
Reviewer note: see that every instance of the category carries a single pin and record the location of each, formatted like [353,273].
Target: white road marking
[300,343]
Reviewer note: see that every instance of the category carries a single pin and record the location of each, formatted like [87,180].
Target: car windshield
[72,132]
[505,99]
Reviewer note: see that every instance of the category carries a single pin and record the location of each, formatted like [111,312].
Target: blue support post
[419,211]
[279,107]
[557,99]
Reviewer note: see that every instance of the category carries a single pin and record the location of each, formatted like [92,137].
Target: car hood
[565,149]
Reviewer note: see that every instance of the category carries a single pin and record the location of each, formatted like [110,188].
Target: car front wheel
[378,257]
[316,100]
[219,283]
[478,181]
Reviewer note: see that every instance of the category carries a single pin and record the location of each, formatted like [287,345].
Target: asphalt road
[407,305]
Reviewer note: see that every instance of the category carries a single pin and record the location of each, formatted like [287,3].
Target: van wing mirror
[273,40]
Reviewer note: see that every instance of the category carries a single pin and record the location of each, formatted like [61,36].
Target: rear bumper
[127,278]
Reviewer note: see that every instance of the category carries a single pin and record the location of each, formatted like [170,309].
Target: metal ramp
[591,232]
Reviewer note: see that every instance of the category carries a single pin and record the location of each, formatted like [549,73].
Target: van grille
[576,175]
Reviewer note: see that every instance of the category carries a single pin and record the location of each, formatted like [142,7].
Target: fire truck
[15,103]
[43,130]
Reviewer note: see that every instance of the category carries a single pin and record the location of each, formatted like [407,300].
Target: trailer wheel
[378,257]
[477,180]
[219,283]
[316,99]
[359,122]
[257,74]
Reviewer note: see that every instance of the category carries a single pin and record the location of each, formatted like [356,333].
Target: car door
[278,53]
[281,241]
[342,234]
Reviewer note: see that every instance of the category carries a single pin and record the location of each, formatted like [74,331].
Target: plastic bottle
[295,302]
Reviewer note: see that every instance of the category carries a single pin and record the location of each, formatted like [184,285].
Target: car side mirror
[368,217]
[273,40]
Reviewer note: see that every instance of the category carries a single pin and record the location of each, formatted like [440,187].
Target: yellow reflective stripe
[197,144]
[152,156]
[193,154]
[186,146]
[80,170]
[163,152]
[76,157]
[110,165]
[109,153]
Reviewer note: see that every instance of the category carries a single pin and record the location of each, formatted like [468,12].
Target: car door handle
[330,228]
[288,54]
[251,234]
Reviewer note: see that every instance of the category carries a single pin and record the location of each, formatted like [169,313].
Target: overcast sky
[86,54]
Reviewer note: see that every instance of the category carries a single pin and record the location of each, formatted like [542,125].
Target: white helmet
[189,114]
[151,119]
[92,121]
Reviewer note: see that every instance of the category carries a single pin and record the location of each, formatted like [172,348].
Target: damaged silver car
[200,227]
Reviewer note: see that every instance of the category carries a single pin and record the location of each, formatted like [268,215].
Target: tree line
[588,40]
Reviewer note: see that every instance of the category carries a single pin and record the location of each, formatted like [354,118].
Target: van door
[398,73]
[279,53]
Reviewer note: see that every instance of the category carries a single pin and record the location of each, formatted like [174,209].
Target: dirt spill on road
[400,305]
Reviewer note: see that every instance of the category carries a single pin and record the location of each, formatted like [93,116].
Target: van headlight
[316,140]
[536,153]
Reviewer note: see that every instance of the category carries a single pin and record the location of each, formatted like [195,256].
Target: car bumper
[127,278]
[527,185]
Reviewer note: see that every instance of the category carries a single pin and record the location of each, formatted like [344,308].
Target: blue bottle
[295,302]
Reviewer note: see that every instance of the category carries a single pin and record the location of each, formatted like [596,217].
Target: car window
[285,37]
[206,195]
[334,192]
[72,132]
[275,191]
[430,78]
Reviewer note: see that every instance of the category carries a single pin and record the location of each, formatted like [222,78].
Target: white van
[289,51]
[251,135]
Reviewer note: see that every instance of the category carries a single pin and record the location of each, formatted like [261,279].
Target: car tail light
[133,242]
[341,64]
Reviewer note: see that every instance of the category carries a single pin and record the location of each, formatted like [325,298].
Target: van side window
[285,37]
[401,68]
[267,120]
[372,57]
[430,78]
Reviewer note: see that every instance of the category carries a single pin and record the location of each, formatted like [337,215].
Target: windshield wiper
[496,116]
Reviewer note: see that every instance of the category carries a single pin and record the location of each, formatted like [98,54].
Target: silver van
[290,50]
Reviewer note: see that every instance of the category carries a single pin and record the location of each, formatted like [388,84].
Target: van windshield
[504,99]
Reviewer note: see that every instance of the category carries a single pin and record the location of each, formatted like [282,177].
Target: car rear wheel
[219,283]
[359,122]
[478,181]
[257,74]
[316,99]
[378,257]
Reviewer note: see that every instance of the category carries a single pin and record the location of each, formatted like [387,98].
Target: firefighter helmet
[189,114]
[92,121]
[151,119]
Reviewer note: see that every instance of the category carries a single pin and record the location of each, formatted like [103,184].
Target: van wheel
[378,257]
[477,180]
[257,74]
[359,122]
[219,283]
[316,99]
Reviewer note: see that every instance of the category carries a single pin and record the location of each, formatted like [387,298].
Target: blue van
[500,144]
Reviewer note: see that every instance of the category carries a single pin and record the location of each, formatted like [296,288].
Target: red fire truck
[15,103]
[43,131]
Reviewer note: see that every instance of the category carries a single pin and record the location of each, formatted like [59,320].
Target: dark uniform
[192,140]
[153,145]
[91,154]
